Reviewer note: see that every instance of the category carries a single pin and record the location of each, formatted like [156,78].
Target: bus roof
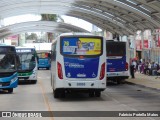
[20,47]
[6,45]
[42,51]
[114,41]
[77,33]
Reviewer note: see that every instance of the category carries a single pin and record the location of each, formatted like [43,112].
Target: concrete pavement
[145,80]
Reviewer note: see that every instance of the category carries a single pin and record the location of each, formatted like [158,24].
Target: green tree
[51,17]
[32,36]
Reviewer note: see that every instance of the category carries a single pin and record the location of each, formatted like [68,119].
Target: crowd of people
[148,68]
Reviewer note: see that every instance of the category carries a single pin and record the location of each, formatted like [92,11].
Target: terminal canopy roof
[123,17]
[46,26]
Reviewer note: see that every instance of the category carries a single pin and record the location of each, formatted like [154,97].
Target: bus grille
[5,75]
[5,83]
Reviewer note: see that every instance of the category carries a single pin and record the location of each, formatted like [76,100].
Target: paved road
[39,97]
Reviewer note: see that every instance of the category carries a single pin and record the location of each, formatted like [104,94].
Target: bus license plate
[81,84]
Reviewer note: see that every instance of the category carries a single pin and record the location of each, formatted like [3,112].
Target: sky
[71,20]
[78,22]
[21,18]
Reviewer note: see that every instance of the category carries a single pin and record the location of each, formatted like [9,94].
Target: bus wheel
[91,93]
[118,81]
[10,90]
[34,81]
[47,68]
[63,94]
[55,92]
[97,93]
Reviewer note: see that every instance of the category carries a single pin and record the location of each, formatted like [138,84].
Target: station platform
[145,81]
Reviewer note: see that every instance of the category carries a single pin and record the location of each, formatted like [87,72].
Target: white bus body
[73,68]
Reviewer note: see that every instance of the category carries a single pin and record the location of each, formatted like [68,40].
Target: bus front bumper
[11,84]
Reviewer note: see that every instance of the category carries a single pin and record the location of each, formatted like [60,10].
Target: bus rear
[8,68]
[117,61]
[44,60]
[80,65]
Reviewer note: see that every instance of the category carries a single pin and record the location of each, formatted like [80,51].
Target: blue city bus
[117,59]
[27,70]
[78,63]
[8,68]
[44,60]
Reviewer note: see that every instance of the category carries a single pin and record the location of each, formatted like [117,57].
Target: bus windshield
[27,61]
[116,48]
[7,62]
[86,46]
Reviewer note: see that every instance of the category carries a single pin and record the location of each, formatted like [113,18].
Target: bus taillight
[60,73]
[126,66]
[102,73]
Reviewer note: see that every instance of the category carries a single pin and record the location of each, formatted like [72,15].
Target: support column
[107,35]
[134,44]
[22,39]
[104,34]
[142,42]
[152,46]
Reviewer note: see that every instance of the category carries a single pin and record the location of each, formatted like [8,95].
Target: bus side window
[37,58]
[32,59]
[17,61]
[53,52]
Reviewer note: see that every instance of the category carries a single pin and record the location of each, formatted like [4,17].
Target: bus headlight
[13,79]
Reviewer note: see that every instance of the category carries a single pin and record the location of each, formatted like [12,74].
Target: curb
[131,83]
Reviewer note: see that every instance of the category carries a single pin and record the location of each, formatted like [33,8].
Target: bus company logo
[73,65]
[109,63]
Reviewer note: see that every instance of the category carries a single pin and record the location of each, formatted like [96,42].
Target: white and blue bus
[27,71]
[78,63]
[117,59]
[8,68]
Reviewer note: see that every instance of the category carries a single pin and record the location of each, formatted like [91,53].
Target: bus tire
[91,93]
[55,92]
[118,82]
[10,90]
[47,68]
[33,81]
[97,93]
[63,94]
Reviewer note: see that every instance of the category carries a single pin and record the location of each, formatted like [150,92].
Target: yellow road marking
[46,99]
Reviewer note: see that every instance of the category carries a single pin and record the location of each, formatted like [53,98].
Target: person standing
[132,68]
